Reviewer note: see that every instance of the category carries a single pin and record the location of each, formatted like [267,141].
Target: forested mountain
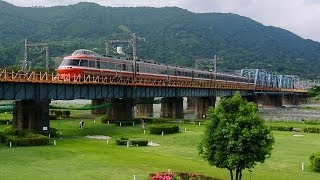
[173,36]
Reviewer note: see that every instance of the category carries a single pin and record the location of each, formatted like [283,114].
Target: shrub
[5,121]
[52,117]
[139,142]
[166,129]
[52,111]
[311,129]
[20,137]
[58,114]
[312,157]
[315,161]
[66,114]
[104,119]
[125,123]
[16,132]
[51,131]
[2,137]
[29,140]
[281,128]
[122,141]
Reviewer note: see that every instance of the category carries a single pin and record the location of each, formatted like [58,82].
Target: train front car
[81,62]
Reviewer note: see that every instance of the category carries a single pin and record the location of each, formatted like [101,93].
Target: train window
[92,64]
[170,72]
[72,62]
[63,62]
[110,65]
[179,73]
[84,63]
[147,69]
[98,64]
[124,67]
[103,65]
[142,69]
[129,67]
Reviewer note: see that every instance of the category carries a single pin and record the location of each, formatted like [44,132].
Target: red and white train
[86,62]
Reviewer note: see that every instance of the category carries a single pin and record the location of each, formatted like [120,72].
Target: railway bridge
[32,93]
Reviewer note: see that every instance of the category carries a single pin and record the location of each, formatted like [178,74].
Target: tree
[236,137]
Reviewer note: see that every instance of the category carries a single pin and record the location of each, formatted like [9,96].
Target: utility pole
[132,42]
[25,62]
[209,62]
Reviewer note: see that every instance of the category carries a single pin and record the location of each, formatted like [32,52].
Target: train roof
[85,52]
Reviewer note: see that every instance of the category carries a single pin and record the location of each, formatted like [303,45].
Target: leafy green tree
[236,137]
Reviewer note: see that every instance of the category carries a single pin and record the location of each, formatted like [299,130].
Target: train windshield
[70,62]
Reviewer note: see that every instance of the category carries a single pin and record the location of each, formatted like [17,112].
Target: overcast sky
[301,17]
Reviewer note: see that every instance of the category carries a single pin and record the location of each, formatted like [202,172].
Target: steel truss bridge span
[16,85]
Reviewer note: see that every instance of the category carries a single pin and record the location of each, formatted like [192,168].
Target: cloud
[299,16]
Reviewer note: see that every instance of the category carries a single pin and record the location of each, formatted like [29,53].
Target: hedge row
[315,161]
[166,129]
[58,113]
[281,128]
[290,128]
[34,140]
[134,142]
[23,137]
[5,121]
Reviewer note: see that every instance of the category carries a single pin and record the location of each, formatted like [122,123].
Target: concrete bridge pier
[191,103]
[270,100]
[172,107]
[145,110]
[31,114]
[96,102]
[121,110]
[290,99]
[202,106]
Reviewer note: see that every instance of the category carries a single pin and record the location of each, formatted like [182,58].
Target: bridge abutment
[31,114]
[202,106]
[172,107]
[121,110]
[145,110]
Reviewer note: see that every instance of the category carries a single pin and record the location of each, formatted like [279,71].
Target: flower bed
[179,176]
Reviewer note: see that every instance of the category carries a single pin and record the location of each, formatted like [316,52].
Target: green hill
[173,36]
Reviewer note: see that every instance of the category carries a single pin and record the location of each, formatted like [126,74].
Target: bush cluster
[51,131]
[22,137]
[290,128]
[54,114]
[281,128]
[5,121]
[125,123]
[315,161]
[122,141]
[133,142]
[104,119]
[166,129]
[311,129]
[139,142]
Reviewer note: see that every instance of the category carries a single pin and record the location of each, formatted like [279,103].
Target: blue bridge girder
[52,91]
[268,79]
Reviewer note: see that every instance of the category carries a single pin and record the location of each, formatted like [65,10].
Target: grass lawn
[76,157]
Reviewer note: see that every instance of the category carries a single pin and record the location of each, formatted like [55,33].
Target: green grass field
[77,157]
